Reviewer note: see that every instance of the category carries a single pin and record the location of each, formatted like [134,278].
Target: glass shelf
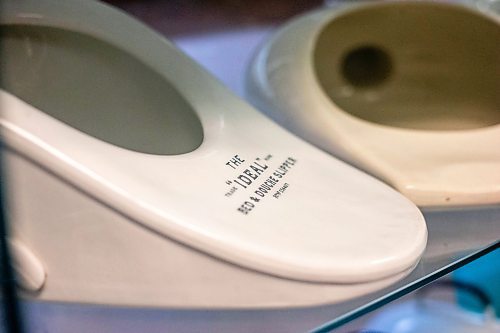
[455,239]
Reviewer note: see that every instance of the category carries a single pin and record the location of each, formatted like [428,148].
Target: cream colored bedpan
[135,178]
[409,91]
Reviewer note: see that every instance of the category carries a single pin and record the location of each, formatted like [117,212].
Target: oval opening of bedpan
[412,66]
[98,89]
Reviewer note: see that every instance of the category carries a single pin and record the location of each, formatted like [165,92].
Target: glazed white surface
[333,223]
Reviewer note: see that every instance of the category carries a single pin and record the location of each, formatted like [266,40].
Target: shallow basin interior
[412,65]
[98,89]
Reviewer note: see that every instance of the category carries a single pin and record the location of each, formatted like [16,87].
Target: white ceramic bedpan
[409,91]
[135,178]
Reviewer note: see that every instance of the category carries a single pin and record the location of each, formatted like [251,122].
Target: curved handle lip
[30,272]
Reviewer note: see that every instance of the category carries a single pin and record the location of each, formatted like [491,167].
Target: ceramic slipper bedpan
[408,91]
[135,178]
